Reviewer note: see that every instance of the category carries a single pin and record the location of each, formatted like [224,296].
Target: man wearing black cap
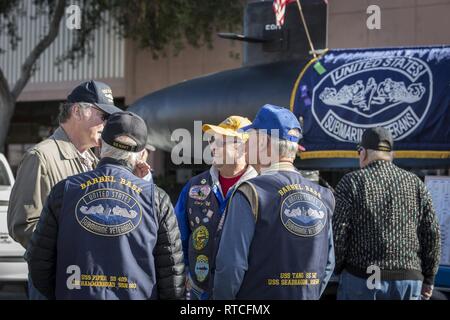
[107,234]
[65,153]
[386,234]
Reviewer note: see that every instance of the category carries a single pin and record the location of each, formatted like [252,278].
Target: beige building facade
[133,73]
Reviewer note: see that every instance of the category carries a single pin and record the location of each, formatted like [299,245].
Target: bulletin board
[439,187]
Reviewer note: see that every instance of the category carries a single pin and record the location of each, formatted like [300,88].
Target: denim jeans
[33,293]
[355,288]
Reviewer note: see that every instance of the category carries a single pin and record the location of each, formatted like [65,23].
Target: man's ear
[366,154]
[262,141]
[76,112]
[142,154]
[270,146]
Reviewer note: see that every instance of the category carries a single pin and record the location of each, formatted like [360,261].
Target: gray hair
[65,110]
[373,155]
[286,148]
[109,151]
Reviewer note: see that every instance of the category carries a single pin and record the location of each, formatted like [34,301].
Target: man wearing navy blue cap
[277,240]
[66,153]
[96,94]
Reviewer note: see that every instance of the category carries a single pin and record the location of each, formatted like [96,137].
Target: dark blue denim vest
[204,216]
[289,250]
[107,233]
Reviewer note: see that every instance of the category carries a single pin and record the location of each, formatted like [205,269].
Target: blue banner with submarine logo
[406,90]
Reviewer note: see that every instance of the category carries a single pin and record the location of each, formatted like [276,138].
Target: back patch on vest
[303,214]
[108,212]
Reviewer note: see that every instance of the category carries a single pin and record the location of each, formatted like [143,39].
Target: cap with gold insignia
[229,127]
[95,92]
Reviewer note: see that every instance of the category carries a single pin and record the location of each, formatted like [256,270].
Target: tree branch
[45,42]
[4,87]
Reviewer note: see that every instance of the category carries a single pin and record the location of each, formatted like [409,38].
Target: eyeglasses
[104,116]
[221,142]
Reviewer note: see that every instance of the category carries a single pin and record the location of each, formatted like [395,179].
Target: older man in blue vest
[203,200]
[277,239]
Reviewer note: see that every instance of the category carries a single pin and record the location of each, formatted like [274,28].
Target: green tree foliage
[153,24]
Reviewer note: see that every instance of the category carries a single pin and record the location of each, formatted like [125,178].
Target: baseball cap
[95,92]
[128,124]
[229,127]
[271,117]
[377,138]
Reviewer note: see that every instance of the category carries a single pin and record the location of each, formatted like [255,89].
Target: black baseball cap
[128,124]
[377,138]
[95,92]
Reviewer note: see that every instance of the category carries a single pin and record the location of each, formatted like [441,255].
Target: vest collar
[248,174]
[278,166]
[65,146]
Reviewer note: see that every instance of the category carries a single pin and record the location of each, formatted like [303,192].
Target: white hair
[373,155]
[285,148]
[109,151]
[288,149]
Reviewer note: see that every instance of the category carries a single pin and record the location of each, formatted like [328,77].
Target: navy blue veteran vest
[204,215]
[289,250]
[107,232]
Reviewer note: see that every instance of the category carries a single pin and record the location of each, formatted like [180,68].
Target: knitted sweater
[384,216]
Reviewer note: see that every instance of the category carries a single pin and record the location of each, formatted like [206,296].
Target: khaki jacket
[42,166]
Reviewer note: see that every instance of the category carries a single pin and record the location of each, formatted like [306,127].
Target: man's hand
[427,291]
[142,169]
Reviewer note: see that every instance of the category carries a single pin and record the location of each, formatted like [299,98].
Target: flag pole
[306,29]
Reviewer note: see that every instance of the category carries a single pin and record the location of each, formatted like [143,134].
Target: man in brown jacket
[66,153]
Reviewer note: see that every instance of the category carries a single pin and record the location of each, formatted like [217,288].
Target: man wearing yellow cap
[202,202]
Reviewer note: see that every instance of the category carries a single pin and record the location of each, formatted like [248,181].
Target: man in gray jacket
[66,153]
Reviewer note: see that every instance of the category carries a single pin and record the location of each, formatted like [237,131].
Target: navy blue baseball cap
[271,117]
[95,92]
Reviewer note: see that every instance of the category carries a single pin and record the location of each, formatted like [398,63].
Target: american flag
[279,7]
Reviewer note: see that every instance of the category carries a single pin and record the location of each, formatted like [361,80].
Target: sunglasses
[104,116]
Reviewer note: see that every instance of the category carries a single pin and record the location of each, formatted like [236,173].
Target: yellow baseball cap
[229,127]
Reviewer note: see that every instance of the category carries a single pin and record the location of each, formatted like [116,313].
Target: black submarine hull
[214,97]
